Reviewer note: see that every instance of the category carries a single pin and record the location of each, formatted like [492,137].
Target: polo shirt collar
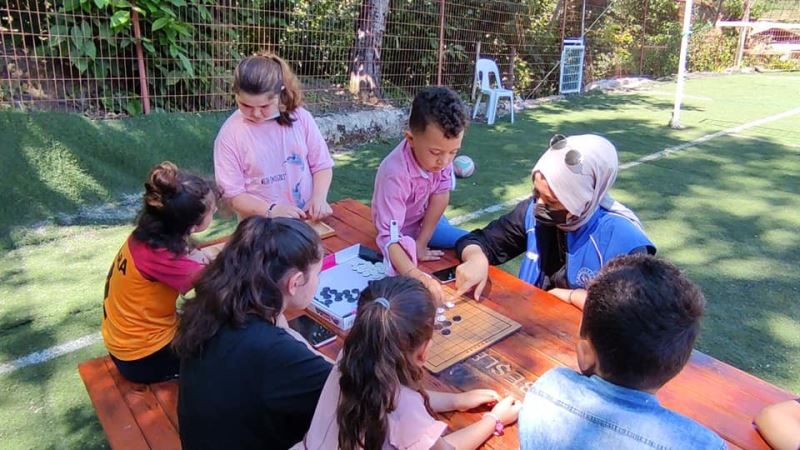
[411,162]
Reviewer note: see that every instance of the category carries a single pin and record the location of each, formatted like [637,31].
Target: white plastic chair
[484,68]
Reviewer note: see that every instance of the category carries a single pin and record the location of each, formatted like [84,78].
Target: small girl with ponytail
[374,397]
[155,264]
[270,158]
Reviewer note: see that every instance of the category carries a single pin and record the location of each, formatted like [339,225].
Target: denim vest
[564,409]
[605,236]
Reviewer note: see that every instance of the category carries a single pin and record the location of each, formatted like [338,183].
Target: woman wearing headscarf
[568,229]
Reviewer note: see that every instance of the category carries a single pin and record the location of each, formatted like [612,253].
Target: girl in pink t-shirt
[374,397]
[269,156]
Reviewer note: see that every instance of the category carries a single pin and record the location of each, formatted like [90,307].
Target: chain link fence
[126,57]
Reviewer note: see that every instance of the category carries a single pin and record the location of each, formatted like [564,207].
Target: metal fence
[112,57]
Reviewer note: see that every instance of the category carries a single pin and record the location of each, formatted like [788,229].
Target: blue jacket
[564,409]
[605,236]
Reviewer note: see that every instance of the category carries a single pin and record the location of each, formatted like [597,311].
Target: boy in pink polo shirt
[413,184]
[269,156]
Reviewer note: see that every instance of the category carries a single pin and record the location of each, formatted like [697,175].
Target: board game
[344,275]
[463,330]
[323,229]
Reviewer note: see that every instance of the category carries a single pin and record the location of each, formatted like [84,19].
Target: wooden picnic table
[725,399]
[709,391]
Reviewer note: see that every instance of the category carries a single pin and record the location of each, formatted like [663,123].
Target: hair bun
[161,184]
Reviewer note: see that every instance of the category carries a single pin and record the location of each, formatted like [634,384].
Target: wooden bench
[134,416]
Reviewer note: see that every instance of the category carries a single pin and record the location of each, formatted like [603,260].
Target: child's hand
[474,398]
[426,254]
[289,211]
[318,209]
[507,410]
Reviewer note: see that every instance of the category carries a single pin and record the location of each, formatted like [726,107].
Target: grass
[54,163]
[725,211]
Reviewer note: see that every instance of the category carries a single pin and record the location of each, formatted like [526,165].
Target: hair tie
[383,302]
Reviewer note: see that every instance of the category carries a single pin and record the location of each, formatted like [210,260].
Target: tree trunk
[554,18]
[718,12]
[365,57]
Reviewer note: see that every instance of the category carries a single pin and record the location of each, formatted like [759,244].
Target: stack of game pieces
[440,317]
[442,322]
[368,270]
[328,296]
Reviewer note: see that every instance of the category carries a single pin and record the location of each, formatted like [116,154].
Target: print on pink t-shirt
[270,161]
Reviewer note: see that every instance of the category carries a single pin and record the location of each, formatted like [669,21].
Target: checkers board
[468,328]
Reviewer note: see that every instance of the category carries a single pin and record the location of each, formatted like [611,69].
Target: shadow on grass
[83,428]
[20,334]
[598,100]
[55,162]
[727,214]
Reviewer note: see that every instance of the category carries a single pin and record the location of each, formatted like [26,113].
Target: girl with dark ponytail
[374,397]
[156,263]
[247,380]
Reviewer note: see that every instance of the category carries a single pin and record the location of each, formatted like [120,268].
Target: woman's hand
[318,209]
[472,399]
[473,272]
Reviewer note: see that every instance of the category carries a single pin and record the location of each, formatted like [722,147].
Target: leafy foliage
[191,46]
[711,49]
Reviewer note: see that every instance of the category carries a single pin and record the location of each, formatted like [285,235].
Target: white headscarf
[580,170]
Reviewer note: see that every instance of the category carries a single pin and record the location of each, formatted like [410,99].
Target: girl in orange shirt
[155,264]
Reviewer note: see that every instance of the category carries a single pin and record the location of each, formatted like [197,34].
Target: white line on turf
[85,341]
[765,140]
[679,148]
[50,353]
[647,158]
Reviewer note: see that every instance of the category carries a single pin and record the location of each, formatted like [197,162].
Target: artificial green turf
[55,162]
[46,406]
[725,211]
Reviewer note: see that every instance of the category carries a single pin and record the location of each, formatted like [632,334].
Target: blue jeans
[445,235]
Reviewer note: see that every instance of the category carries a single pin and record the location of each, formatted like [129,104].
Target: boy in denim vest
[640,321]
